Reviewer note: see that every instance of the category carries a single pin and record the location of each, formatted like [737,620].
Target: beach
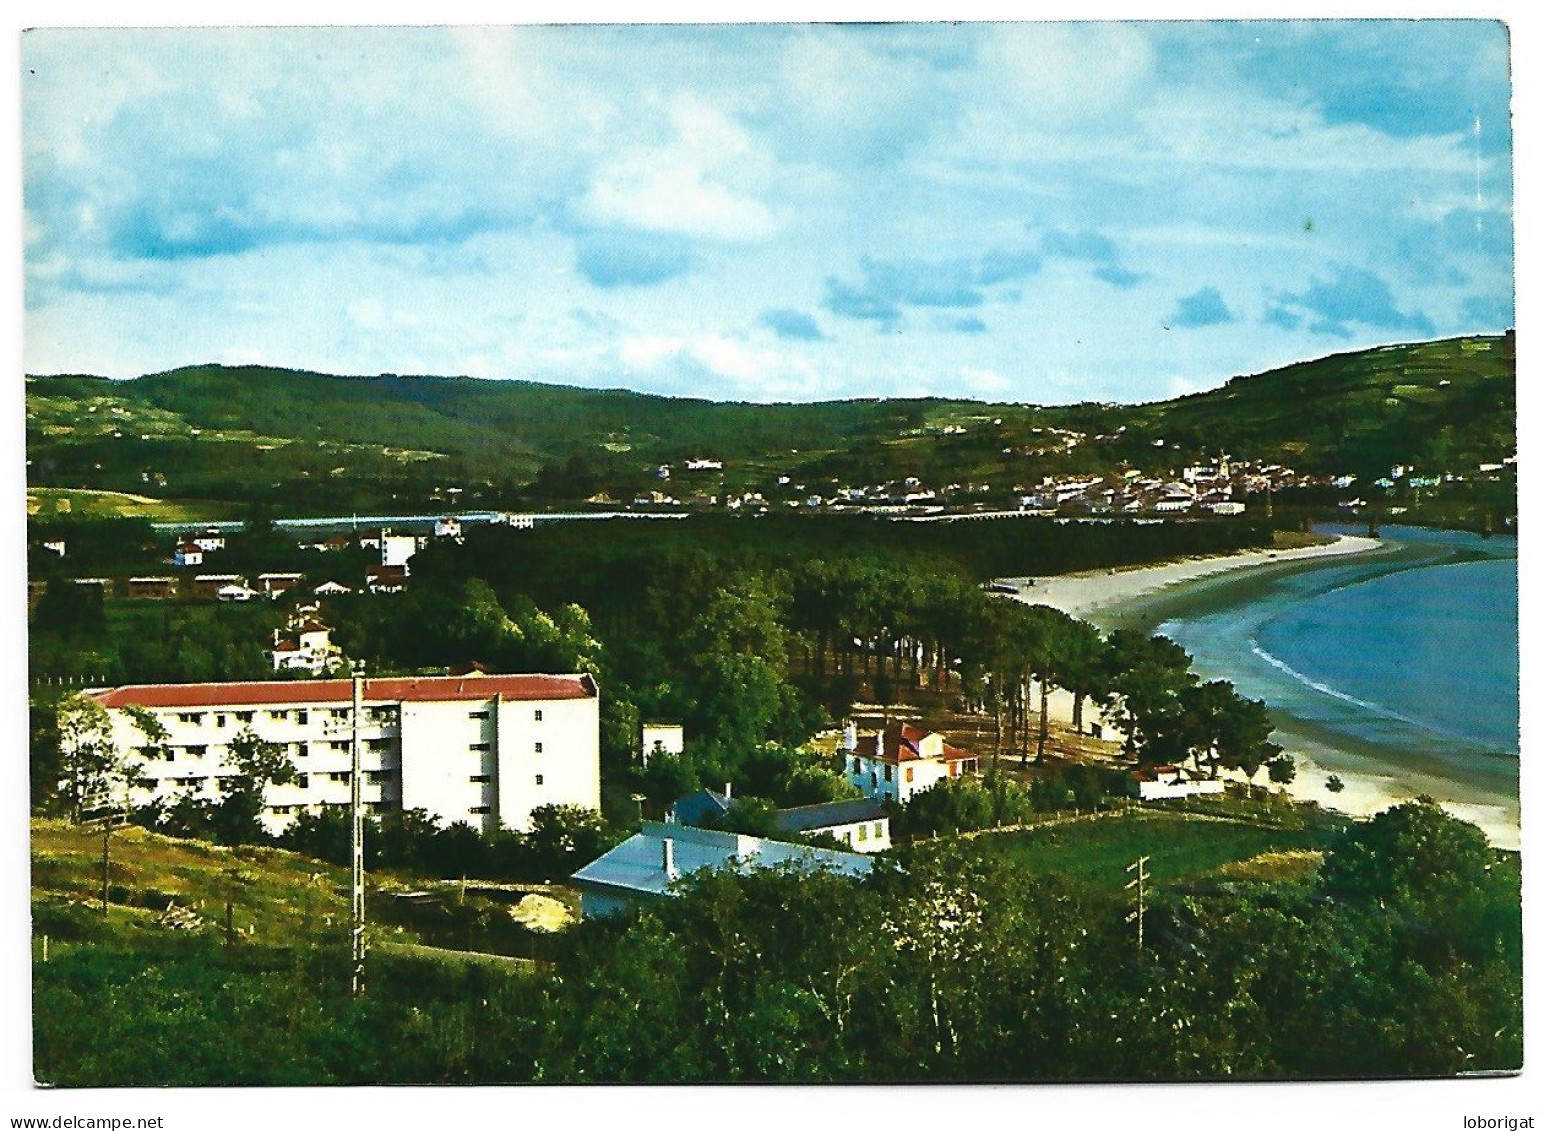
[1373,775]
[1102,596]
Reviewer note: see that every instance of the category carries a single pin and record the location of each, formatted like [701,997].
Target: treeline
[753,634]
[1401,958]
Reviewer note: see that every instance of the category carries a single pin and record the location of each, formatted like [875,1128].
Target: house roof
[286,646]
[902,742]
[704,803]
[637,865]
[332,587]
[313,626]
[525,688]
[809,818]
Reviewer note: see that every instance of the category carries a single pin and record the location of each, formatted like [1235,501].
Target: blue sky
[1037,212]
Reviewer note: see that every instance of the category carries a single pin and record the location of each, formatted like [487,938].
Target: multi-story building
[901,761]
[485,750]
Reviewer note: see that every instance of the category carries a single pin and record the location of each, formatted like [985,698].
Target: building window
[538,714]
[862,832]
[479,714]
[301,749]
[538,779]
[337,745]
[244,716]
[478,809]
[480,746]
[909,773]
[303,781]
[480,777]
[220,720]
[887,773]
[197,751]
[302,717]
[538,748]
[878,827]
[857,767]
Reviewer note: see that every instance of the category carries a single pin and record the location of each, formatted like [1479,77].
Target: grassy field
[275,896]
[1097,851]
[74,502]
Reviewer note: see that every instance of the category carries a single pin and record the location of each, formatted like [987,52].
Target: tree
[1145,678]
[1282,769]
[1414,854]
[96,771]
[256,765]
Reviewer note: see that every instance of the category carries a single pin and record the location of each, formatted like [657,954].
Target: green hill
[250,433]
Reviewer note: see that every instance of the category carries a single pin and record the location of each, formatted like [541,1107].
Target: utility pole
[107,826]
[356,812]
[1139,916]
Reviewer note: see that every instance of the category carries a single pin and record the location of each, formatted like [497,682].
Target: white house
[273,584]
[187,555]
[861,824]
[447,527]
[386,579]
[484,750]
[210,540]
[397,549]
[1159,782]
[662,738]
[644,866]
[307,647]
[235,591]
[902,761]
[55,546]
[331,589]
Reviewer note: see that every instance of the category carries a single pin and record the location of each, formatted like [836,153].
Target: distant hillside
[1442,406]
[246,433]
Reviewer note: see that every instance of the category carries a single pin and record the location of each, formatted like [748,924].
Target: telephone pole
[1139,916]
[107,828]
[356,813]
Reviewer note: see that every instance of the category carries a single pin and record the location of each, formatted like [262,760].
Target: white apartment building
[481,749]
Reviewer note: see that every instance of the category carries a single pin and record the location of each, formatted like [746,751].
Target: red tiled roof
[534,688]
[902,742]
[286,646]
[313,626]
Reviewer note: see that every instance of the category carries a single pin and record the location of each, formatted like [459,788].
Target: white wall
[875,835]
[906,779]
[440,741]
[568,762]
[425,761]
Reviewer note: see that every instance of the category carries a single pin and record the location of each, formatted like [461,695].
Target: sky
[1015,212]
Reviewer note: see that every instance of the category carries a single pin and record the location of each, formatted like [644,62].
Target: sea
[1405,655]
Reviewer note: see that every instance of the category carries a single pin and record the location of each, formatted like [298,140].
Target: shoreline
[1143,597]
[1100,596]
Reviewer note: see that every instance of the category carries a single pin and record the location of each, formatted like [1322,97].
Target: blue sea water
[1412,650]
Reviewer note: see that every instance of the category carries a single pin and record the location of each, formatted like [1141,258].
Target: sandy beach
[1112,597]
[1105,591]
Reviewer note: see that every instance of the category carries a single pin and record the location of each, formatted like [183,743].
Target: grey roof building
[647,863]
[829,814]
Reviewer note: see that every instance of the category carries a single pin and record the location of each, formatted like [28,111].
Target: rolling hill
[244,433]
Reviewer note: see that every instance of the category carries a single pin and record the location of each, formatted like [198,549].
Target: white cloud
[702,183]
